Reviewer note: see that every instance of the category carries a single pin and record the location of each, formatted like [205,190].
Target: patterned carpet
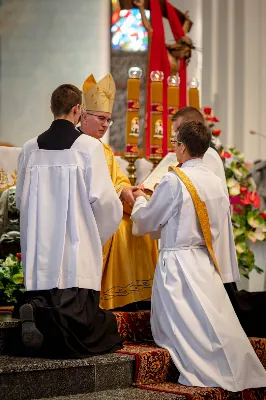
[134,327]
[154,365]
[154,369]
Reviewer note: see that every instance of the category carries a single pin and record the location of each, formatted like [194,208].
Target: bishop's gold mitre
[99,96]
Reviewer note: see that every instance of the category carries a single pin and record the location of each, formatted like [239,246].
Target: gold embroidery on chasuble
[7,180]
[128,261]
[201,211]
[127,290]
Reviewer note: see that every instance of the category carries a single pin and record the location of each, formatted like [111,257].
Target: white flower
[8,262]
[259,234]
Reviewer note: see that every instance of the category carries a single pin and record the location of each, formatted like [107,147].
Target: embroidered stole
[201,211]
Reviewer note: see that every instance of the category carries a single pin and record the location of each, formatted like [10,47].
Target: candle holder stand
[155,160]
[131,169]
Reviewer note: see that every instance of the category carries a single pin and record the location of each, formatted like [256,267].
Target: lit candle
[173,106]
[193,94]
[156,116]
[132,125]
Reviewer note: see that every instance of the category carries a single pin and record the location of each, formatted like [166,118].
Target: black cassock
[250,309]
[72,324]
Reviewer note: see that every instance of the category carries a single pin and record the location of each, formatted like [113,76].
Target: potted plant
[11,281]
[249,223]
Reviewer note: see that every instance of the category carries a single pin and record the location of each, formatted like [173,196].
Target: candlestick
[156,115]
[131,169]
[193,94]
[173,106]
[132,124]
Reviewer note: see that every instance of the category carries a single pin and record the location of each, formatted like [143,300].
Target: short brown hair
[196,136]
[64,98]
[188,114]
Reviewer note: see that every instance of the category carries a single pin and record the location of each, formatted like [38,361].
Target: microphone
[257,133]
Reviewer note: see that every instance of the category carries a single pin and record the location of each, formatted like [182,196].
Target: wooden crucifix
[183,47]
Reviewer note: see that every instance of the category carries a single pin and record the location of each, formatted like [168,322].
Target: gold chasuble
[128,261]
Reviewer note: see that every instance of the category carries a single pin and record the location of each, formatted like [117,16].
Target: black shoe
[32,338]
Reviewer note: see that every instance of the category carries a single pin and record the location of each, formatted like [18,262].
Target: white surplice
[213,162]
[192,315]
[68,210]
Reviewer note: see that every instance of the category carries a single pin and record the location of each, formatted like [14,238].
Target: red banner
[156,108]
[156,151]
[159,61]
[131,149]
[133,105]
[172,110]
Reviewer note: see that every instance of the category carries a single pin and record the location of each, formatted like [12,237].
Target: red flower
[225,154]
[207,110]
[252,198]
[243,189]
[235,201]
[263,215]
[18,255]
[216,132]
[212,119]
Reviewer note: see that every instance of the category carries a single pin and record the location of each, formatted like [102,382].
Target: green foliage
[249,223]
[11,280]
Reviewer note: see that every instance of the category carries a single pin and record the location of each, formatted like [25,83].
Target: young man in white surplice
[68,210]
[192,315]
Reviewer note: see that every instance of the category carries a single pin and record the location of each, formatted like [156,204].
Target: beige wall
[234,65]
[46,43]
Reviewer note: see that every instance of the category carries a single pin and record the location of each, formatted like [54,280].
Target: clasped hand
[130,193]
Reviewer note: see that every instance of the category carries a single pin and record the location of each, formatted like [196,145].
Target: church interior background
[45,43]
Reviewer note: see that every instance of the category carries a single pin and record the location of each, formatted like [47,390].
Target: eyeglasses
[174,141]
[102,119]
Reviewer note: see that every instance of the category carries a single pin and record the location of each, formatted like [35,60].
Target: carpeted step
[30,378]
[154,364]
[134,327]
[197,393]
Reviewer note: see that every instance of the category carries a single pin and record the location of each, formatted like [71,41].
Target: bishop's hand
[138,193]
[127,194]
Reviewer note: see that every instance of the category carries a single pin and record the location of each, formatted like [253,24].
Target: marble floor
[132,394]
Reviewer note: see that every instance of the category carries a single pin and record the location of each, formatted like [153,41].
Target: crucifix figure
[176,51]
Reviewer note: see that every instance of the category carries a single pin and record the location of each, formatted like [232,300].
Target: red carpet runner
[154,369]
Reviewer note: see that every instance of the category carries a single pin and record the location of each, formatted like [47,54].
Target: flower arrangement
[249,223]
[11,279]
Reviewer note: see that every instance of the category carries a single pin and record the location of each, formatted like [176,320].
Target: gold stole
[201,211]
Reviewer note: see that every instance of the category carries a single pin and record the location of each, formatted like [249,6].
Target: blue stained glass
[128,32]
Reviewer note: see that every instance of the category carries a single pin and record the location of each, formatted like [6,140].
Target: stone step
[123,394]
[30,378]
[210,393]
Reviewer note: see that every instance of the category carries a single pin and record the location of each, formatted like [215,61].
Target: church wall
[46,43]
[233,77]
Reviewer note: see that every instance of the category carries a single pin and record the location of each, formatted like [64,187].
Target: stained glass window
[128,32]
